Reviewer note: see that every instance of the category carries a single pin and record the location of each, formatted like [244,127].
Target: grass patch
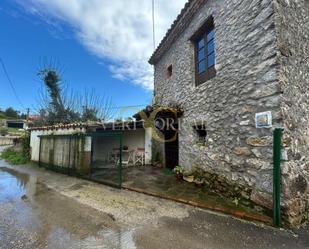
[15,130]
[14,157]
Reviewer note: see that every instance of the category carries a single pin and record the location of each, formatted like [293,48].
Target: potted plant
[179,170]
[199,181]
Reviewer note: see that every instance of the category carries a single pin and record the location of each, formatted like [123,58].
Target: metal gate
[57,152]
[107,157]
[92,156]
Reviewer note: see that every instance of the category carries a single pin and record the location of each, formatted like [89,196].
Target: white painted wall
[35,140]
[103,145]
[7,140]
[148,145]
[134,139]
[35,145]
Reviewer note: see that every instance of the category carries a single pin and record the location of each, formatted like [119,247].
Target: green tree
[56,110]
[11,113]
[89,114]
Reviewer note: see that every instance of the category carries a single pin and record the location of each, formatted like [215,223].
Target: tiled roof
[63,126]
[107,126]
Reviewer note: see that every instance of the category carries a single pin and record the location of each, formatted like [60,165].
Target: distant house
[224,61]
[17,123]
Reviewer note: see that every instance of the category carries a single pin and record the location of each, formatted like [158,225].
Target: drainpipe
[277,176]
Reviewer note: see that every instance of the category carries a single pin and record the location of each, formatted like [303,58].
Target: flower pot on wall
[199,184]
[179,176]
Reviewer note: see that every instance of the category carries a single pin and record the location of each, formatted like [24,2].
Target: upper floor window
[204,41]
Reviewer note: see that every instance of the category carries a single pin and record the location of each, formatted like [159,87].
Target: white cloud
[118,30]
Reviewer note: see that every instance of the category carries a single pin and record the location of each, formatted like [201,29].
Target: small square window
[201,133]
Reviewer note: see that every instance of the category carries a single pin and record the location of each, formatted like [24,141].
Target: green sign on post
[277,176]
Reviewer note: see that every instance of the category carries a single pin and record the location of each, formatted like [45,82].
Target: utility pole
[28,113]
[153,25]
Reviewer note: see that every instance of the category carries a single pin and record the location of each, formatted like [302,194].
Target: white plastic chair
[139,156]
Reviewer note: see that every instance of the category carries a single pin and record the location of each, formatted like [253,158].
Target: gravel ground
[127,207]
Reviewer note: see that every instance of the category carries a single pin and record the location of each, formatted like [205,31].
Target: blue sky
[84,38]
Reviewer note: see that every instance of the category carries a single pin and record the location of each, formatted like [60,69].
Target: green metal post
[277,176]
[40,147]
[69,166]
[120,163]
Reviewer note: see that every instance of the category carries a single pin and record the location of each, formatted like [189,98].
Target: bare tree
[58,104]
[94,107]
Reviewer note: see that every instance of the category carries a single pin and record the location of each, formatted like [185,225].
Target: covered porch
[112,151]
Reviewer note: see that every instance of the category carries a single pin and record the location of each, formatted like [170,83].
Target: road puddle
[34,216]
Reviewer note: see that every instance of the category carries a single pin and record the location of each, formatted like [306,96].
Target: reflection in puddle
[121,238]
[34,216]
[12,184]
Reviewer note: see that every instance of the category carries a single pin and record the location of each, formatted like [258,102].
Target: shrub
[179,170]
[14,157]
[157,157]
[236,200]
[3,131]
[306,216]
[25,143]
[18,156]
[2,121]
[198,172]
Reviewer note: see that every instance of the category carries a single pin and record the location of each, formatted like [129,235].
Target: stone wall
[246,82]
[262,64]
[292,26]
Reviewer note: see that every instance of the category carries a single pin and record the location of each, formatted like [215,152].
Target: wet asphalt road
[35,216]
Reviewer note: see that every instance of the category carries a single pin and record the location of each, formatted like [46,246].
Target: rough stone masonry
[262,64]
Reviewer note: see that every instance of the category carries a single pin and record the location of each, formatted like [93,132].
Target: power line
[117,107]
[128,106]
[18,99]
[11,83]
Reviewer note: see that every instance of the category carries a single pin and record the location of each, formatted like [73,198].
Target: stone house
[223,61]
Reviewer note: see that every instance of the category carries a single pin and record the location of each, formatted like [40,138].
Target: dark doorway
[171,146]
[171,153]
[166,124]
